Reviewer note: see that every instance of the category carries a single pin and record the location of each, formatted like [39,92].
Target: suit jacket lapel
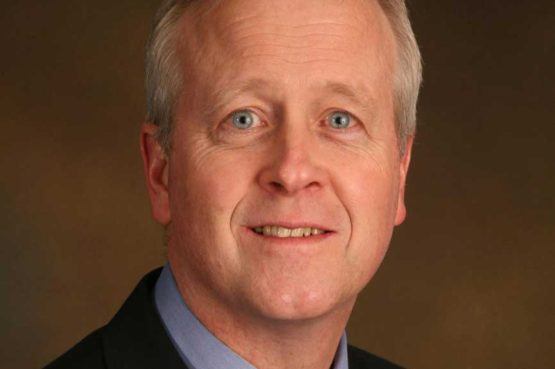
[135,337]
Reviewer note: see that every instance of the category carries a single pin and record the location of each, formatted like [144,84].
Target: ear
[403,169]
[156,166]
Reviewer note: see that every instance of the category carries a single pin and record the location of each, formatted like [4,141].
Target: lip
[288,240]
[292,225]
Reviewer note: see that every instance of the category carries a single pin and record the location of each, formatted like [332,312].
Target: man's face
[286,120]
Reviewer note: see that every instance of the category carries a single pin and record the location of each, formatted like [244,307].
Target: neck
[307,344]
[270,343]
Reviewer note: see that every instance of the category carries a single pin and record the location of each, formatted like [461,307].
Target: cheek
[213,181]
[370,198]
[369,187]
[204,193]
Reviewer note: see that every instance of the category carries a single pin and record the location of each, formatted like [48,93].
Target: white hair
[164,78]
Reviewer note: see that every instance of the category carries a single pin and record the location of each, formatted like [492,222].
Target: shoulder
[360,359]
[87,354]
[134,337]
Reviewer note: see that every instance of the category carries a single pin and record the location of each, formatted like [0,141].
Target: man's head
[164,81]
[285,113]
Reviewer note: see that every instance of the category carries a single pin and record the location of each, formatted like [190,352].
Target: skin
[279,303]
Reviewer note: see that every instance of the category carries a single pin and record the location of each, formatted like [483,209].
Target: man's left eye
[244,119]
[340,120]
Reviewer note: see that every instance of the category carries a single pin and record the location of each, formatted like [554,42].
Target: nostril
[280,187]
[277,185]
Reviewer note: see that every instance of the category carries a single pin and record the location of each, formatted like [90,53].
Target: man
[276,150]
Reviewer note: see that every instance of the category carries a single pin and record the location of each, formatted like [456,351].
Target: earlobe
[403,170]
[156,168]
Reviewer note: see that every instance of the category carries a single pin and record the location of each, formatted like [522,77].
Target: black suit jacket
[136,339]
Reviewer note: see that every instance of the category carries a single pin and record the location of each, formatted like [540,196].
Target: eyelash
[355,122]
[229,120]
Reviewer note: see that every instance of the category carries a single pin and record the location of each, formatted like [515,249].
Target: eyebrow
[220,98]
[357,94]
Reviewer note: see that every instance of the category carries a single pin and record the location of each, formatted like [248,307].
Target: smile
[283,232]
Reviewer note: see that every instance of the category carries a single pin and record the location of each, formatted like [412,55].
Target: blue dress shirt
[199,348]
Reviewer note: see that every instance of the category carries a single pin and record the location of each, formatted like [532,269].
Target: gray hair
[164,78]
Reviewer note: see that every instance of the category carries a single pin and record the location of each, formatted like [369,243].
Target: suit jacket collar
[136,339]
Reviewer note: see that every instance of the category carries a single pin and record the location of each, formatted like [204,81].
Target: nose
[294,163]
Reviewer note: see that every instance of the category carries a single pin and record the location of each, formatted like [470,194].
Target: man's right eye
[244,119]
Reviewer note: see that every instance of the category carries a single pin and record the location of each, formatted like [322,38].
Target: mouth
[286,232]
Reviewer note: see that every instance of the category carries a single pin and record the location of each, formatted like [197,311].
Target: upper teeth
[283,232]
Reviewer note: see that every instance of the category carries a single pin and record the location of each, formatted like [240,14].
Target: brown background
[468,282]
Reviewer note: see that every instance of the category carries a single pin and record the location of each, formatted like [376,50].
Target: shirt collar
[198,348]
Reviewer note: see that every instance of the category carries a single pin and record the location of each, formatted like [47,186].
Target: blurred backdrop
[468,281]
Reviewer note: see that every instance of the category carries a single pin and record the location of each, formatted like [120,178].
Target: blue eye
[244,119]
[340,119]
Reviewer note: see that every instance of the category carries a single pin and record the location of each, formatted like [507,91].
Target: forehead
[294,43]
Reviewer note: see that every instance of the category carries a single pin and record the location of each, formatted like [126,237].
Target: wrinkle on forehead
[227,41]
[297,29]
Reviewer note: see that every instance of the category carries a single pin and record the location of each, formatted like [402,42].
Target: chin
[298,303]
